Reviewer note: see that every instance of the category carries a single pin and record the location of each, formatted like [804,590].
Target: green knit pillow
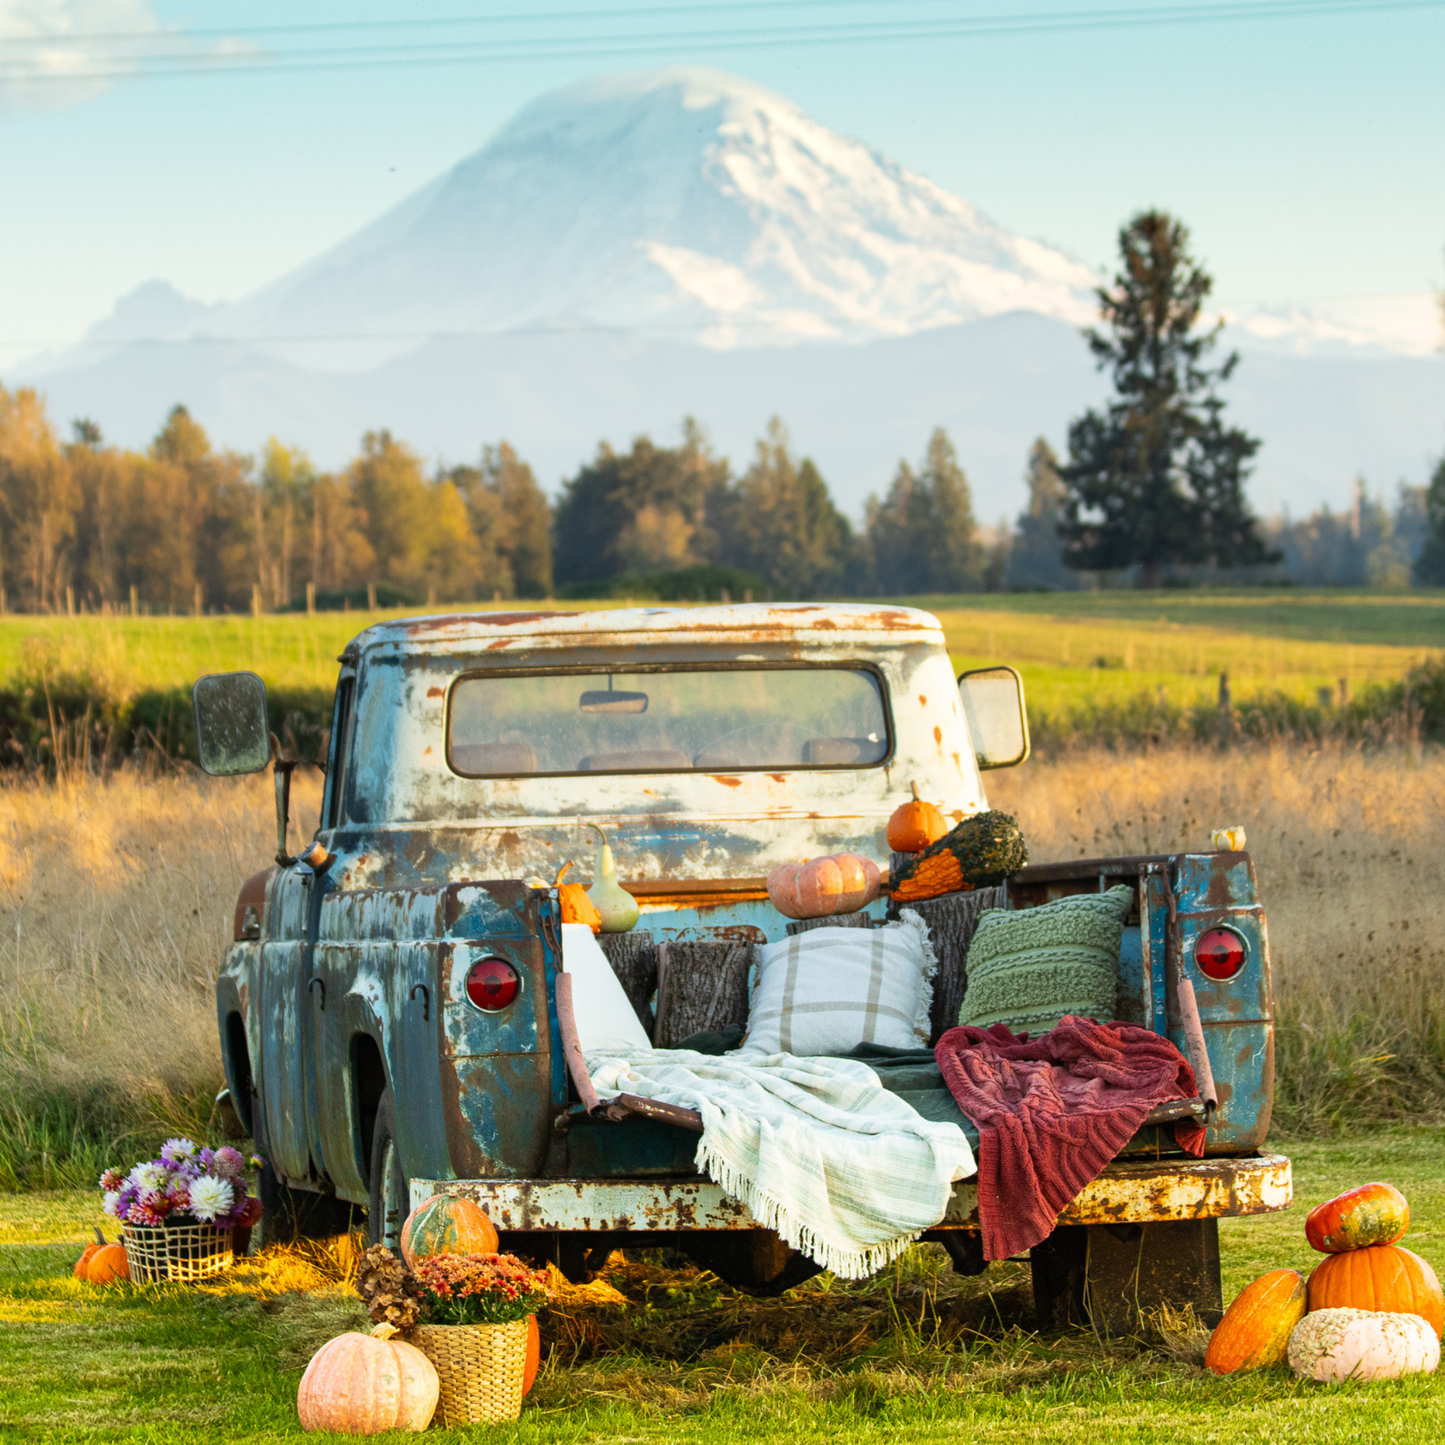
[1030,967]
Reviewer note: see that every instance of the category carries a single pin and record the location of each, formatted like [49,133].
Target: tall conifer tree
[1156,479]
[1430,565]
[1036,559]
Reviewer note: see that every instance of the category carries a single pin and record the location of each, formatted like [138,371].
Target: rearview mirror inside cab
[232,733]
[993,707]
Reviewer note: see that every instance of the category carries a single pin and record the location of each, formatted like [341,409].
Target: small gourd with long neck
[617,907]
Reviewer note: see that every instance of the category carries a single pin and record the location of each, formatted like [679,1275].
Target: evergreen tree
[641,511]
[1036,559]
[780,523]
[1156,479]
[923,536]
[1430,565]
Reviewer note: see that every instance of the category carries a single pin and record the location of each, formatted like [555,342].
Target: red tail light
[1220,954]
[492,984]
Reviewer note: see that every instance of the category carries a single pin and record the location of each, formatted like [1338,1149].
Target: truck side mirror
[993,707]
[233,734]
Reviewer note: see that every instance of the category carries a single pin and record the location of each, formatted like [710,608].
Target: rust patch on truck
[1150,1193]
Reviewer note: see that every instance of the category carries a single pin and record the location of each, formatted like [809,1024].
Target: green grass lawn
[1395,619]
[1076,650]
[171,1366]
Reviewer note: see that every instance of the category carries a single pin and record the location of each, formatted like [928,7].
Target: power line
[431,22]
[514,49]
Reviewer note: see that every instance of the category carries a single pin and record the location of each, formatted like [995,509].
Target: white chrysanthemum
[210,1197]
[110,1202]
[150,1178]
[177,1149]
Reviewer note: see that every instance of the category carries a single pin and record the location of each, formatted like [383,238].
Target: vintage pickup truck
[389,1007]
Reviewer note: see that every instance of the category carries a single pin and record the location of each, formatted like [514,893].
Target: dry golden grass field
[115,901]
[116,893]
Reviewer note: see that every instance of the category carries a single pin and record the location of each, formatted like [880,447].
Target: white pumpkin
[1335,1345]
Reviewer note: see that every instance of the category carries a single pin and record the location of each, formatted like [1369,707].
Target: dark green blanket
[912,1074]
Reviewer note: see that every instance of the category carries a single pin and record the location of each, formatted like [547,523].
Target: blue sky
[1306,150]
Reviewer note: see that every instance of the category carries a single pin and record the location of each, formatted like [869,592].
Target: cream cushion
[827,990]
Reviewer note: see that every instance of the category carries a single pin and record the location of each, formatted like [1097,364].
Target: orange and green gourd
[1371,1214]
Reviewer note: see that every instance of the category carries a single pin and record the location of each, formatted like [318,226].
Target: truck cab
[388,1008]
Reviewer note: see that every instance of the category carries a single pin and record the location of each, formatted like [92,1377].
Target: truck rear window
[682,720]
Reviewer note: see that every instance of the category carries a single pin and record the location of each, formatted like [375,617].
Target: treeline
[183,527]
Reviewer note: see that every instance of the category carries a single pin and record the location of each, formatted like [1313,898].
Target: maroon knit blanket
[1053,1111]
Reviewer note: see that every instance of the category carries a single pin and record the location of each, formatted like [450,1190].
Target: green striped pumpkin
[446,1225]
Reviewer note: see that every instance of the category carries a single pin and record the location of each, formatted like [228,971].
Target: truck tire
[290,1214]
[390,1197]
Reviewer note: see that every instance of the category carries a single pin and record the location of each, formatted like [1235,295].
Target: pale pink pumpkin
[361,1385]
[821,887]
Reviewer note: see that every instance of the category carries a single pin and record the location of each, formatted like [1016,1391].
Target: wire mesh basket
[177,1252]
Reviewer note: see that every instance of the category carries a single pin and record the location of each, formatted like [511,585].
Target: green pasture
[168,1366]
[1077,651]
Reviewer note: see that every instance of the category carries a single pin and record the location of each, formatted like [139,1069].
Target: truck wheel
[390,1199]
[289,1214]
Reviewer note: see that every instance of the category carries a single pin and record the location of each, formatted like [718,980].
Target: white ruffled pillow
[827,990]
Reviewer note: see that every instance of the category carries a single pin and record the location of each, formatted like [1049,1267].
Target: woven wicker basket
[480,1368]
[179,1252]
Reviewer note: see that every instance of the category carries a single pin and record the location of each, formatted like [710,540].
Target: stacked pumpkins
[362,1384]
[1371,1310]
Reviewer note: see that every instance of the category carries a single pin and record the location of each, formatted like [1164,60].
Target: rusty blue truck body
[367,1075]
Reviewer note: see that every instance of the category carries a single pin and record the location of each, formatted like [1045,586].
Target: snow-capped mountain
[640,247]
[686,202]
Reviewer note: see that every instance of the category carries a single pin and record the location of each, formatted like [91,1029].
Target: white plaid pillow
[827,990]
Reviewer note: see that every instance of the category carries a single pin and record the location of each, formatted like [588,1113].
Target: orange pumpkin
[534,1355]
[874,877]
[1254,1333]
[446,1224]
[108,1263]
[1382,1277]
[82,1265]
[821,887]
[364,1384]
[576,906]
[1371,1214]
[914,825]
